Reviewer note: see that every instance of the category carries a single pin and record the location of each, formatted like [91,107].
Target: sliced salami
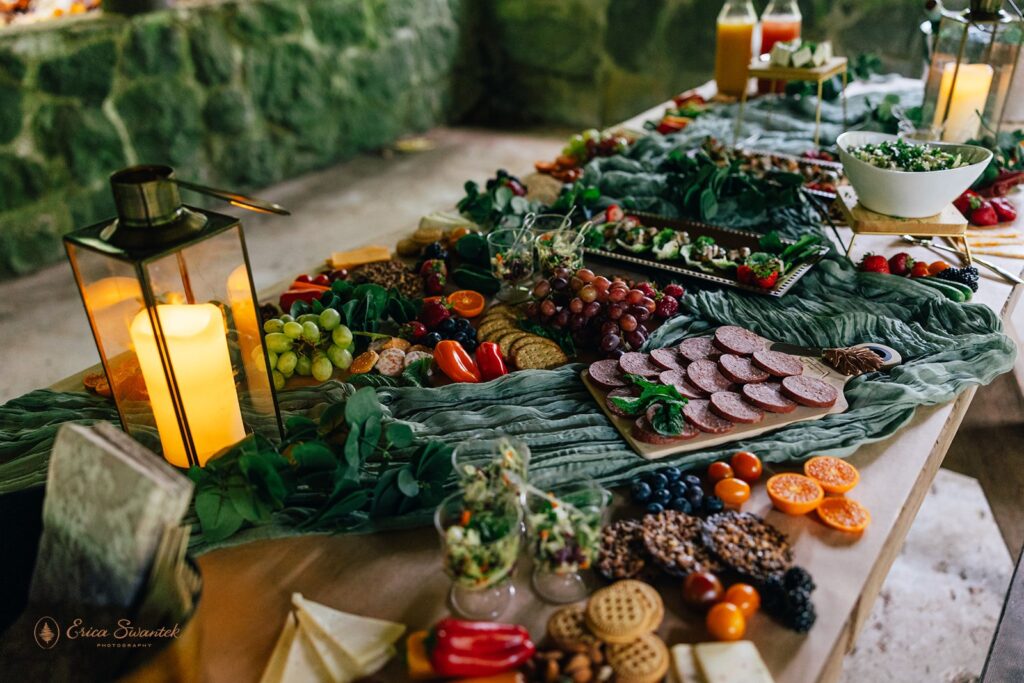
[643,431]
[737,340]
[636,363]
[768,396]
[606,373]
[413,356]
[740,369]
[669,359]
[621,392]
[808,391]
[732,407]
[682,383]
[391,362]
[705,376]
[698,413]
[778,364]
[698,348]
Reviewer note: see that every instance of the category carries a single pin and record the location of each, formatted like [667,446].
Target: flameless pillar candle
[973,82]
[246,323]
[198,352]
[114,301]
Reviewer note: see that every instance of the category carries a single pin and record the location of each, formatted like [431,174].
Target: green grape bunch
[312,345]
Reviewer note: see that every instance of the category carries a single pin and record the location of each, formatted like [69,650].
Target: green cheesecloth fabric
[947,347]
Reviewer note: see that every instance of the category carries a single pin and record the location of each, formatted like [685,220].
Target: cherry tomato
[725,621]
[702,589]
[734,492]
[747,466]
[744,596]
[718,471]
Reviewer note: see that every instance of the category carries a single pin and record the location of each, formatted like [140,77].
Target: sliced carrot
[834,474]
[794,494]
[844,514]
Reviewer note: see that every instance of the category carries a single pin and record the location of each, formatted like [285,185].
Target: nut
[605,674]
[583,676]
[577,663]
[551,673]
[596,655]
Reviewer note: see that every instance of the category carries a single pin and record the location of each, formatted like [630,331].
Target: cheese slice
[684,665]
[363,640]
[340,667]
[737,662]
[446,220]
[358,257]
[275,665]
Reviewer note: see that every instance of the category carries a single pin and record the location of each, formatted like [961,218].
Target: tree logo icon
[46,632]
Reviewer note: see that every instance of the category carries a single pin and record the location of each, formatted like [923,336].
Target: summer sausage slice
[705,376]
[808,391]
[732,407]
[737,340]
[768,396]
[698,348]
[643,431]
[698,413]
[778,364]
[636,363]
[621,392]
[739,369]
[682,383]
[606,373]
[669,359]
[391,362]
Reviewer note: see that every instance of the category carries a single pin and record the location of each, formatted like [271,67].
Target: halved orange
[834,474]
[467,303]
[844,514]
[794,494]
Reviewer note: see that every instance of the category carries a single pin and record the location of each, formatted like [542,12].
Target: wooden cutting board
[813,367]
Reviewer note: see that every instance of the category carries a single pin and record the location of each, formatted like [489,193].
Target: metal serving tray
[820,164]
[727,237]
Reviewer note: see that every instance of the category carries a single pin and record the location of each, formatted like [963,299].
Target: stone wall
[239,94]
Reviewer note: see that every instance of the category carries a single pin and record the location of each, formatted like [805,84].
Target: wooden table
[398,575]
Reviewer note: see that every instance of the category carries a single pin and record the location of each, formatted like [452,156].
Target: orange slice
[467,303]
[794,494]
[834,474]
[844,514]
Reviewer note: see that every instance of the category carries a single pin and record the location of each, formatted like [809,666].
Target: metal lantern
[971,72]
[169,295]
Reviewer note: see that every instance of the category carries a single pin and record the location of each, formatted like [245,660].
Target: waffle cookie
[645,660]
[567,628]
[624,611]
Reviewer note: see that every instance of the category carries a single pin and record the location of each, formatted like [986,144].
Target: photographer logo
[46,632]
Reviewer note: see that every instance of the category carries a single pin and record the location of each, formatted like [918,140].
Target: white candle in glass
[973,82]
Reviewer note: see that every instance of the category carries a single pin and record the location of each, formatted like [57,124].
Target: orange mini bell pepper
[455,362]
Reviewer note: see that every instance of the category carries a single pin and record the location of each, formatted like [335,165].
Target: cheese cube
[737,662]
[782,54]
[684,665]
[822,53]
[802,57]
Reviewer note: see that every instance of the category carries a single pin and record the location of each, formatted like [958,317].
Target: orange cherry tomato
[733,492]
[458,233]
[937,267]
[794,494]
[744,596]
[834,474]
[747,466]
[725,621]
[467,303]
[844,514]
[719,470]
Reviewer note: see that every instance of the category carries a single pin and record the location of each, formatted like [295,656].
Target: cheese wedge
[340,667]
[737,662]
[446,220]
[684,665]
[363,640]
[275,665]
[358,257]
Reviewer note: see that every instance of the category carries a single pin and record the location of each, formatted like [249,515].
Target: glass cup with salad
[486,468]
[511,253]
[562,248]
[479,544]
[564,532]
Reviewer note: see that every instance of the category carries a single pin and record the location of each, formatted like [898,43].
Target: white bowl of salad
[908,178]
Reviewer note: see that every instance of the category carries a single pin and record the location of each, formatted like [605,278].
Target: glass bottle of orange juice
[734,45]
[780,23]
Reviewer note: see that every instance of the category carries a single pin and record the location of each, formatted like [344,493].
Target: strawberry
[613,213]
[744,274]
[434,283]
[1005,210]
[433,265]
[873,263]
[433,313]
[963,202]
[767,282]
[901,263]
[414,330]
[920,269]
[982,212]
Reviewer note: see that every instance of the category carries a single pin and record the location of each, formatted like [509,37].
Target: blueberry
[469,345]
[670,473]
[435,250]
[447,326]
[661,496]
[641,492]
[655,508]
[682,505]
[692,480]
[432,339]
[678,489]
[464,325]
[695,496]
[657,481]
[713,504]
[458,336]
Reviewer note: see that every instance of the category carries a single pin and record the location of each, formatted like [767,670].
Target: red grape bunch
[602,313]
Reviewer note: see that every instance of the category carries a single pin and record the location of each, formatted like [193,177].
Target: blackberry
[798,577]
[787,598]
[802,620]
[965,276]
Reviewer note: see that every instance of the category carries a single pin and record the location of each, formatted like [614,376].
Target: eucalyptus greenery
[336,473]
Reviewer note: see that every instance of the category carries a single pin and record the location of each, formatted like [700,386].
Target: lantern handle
[235,199]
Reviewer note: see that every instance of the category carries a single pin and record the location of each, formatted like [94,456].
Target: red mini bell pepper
[455,362]
[477,648]
[308,294]
[491,363]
